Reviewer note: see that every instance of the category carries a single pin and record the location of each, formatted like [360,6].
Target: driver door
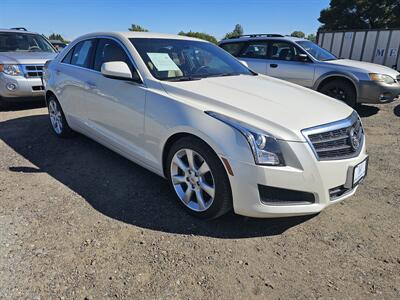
[283,64]
[116,108]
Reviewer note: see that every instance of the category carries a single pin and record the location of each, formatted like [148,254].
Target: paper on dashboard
[163,62]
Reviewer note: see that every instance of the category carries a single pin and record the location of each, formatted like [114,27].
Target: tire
[342,90]
[206,179]
[57,119]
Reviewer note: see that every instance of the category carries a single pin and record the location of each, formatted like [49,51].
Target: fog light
[11,87]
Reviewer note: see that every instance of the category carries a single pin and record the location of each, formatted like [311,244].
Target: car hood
[278,107]
[25,58]
[365,66]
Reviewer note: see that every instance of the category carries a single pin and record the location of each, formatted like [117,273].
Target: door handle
[57,72]
[273,65]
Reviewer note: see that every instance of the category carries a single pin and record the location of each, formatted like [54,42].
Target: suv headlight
[382,78]
[12,70]
[265,147]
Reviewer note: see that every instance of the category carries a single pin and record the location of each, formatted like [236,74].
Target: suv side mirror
[302,57]
[116,70]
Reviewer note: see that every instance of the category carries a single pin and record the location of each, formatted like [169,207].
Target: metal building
[380,46]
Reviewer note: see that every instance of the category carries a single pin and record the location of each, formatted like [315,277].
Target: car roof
[261,37]
[16,30]
[137,34]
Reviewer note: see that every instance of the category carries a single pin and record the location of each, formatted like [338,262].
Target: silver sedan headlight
[12,70]
[265,147]
[382,78]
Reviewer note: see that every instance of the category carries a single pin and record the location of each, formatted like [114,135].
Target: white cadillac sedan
[223,136]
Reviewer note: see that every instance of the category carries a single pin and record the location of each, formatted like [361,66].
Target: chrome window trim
[349,121]
[125,49]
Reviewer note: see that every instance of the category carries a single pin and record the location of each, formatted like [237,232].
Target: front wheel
[57,118]
[341,90]
[199,179]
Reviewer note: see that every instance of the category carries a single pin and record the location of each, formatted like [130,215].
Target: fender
[346,75]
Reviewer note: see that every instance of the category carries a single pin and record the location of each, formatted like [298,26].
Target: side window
[67,58]
[233,48]
[256,49]
[83,54]
[283,51]
[108,50]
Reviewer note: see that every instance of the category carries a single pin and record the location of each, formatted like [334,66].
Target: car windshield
[23,42]
[316,51]
[179,60]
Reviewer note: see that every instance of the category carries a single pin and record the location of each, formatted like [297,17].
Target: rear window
[233,48]
[83,52]
[255,50]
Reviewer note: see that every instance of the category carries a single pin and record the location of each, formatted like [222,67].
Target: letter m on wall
[380,52]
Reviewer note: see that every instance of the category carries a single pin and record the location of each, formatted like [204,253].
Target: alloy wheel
[192,180]
[55,117]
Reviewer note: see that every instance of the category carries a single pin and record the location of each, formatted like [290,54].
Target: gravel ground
[78,221]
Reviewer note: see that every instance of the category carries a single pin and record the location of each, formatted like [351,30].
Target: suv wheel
[341,90]
[199,179]
[57,118]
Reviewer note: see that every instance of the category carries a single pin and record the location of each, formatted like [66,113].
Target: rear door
[254,53]
[73,76]
[283,63]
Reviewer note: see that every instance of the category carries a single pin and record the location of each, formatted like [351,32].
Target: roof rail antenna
[19,28]
[261,34]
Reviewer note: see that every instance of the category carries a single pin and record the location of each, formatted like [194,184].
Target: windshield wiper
[182,78]
[221,75]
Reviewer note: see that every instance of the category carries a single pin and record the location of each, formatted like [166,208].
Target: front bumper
[24,87]
[319,178]
[378,92]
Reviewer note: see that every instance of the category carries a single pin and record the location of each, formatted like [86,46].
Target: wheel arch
[174,137]
[48,94]
[334,76]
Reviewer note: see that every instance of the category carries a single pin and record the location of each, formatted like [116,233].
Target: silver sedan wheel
[193,180]
[55,117]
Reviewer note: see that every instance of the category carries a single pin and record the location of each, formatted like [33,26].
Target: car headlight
[381,78]
[13,70]
[265,147]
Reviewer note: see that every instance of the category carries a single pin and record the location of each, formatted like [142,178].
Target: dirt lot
[78,221]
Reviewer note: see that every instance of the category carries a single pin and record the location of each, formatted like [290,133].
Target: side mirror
[116,70]
[244,63]
[302,57]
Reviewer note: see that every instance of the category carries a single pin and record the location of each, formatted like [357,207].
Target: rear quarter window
[233,48]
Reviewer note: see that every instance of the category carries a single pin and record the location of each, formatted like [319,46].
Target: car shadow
[366,110]
[396,110]
[119,188]
[18,106]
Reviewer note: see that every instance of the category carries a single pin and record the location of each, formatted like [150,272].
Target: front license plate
[359,172]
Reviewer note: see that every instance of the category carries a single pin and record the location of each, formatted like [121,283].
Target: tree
[237,31]
[299,34]
[360,14]
[200,35]
[311,37]
[58,37]
[135,27]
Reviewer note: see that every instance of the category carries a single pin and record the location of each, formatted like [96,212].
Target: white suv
[224,136]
